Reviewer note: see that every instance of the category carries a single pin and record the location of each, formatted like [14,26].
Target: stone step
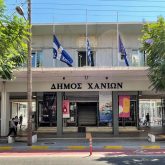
[88,129]
[46,129]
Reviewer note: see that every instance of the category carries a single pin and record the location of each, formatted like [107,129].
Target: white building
[98,94]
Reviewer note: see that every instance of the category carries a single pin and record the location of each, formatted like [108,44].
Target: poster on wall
[65,109]
[105,107]
[124,106]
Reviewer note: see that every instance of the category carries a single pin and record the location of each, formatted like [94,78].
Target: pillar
[59,114]
[5,110]
[137,112]
[115,113]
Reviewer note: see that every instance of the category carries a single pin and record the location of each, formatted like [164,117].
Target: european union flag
[149,41]
[59,53]
[89,53]
[123,51]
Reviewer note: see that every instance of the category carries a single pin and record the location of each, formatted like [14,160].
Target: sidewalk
[80,144]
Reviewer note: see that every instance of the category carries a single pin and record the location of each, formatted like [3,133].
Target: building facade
[105,96]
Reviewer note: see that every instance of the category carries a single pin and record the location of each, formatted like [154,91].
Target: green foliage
[1,4]
[153,43]
[13,47]
[2,7]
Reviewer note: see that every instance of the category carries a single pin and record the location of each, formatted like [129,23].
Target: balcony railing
[102,57]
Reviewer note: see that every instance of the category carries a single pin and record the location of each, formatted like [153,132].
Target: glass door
[47,110]
[154,108]
[20,108]
[72,120]
[163,111]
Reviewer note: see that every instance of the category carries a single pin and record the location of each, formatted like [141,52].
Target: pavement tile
[70,141]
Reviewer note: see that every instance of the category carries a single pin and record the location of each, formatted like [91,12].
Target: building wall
[103,40]
[46,86]
[103,43]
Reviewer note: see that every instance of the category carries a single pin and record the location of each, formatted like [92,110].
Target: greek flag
[122,51]
[59,53]
[89,53]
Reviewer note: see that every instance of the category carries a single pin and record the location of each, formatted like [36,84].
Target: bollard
[90,146]
[11,139]
[89,136]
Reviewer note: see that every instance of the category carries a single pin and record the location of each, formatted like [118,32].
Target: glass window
[153,107]
[47,110]
[37,60]
[138,58]
[72,121]
[21,108]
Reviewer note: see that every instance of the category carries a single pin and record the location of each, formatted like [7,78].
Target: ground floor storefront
[88,111]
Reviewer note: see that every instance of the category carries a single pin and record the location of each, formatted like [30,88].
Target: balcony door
[82,59]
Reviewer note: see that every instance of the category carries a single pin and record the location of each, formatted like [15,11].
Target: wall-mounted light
[63,78]
[106,78]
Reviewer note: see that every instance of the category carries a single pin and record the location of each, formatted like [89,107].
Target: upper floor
[103,39]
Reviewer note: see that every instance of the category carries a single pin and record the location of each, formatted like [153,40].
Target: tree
[13,39]
[153,44]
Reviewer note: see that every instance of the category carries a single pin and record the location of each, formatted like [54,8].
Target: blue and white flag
[123,51]
[59,53]
[89,53]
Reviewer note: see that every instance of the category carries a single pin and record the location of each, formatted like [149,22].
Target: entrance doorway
[154,108]
[82,58]
[87,113]
[20,108]
[47,110]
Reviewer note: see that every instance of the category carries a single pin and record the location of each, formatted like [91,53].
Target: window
[137,58]
[47,110]
[37,59]
[82,58]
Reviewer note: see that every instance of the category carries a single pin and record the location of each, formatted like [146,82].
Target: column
[59,114]
[137,112]
[115,113]
[5,110]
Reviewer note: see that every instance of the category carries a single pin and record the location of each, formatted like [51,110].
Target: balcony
[101,57]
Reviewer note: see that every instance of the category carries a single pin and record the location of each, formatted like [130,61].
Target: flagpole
[53,37]
[117,38]
[86,38]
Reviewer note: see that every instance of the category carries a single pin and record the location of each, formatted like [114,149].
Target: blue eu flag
[123,51]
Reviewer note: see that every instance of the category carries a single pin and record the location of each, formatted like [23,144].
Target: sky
[76,11]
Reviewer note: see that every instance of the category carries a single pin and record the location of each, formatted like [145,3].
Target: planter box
[12,139]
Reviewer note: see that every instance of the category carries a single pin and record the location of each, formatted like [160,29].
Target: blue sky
[71,11]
